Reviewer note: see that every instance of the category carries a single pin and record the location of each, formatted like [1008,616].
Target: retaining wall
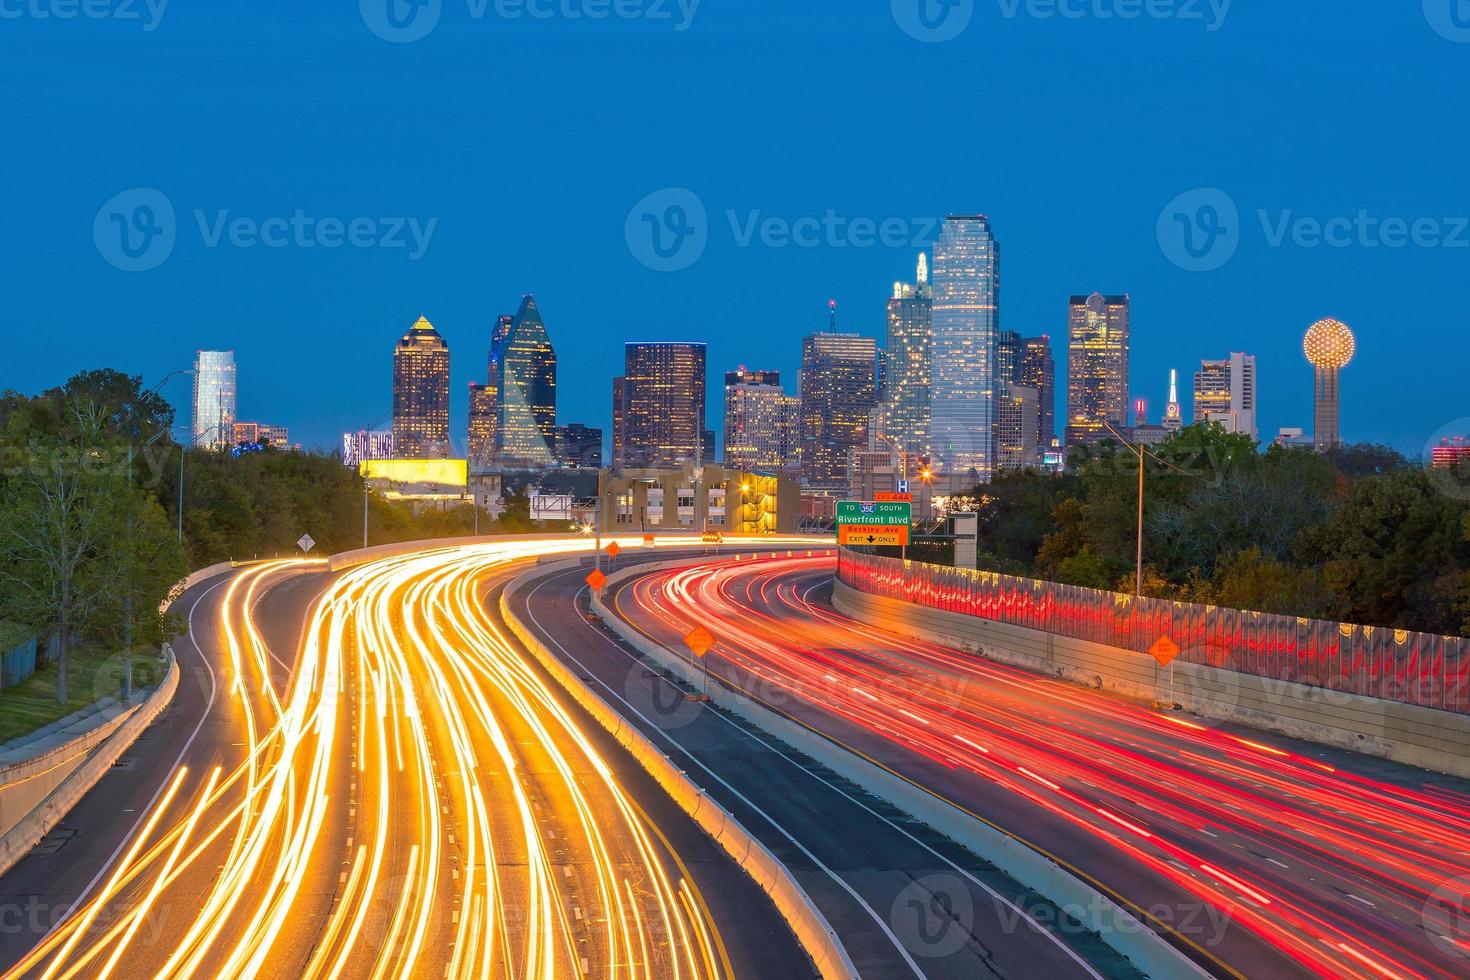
[1426,737]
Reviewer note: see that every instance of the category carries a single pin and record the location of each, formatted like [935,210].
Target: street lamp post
[1138,558]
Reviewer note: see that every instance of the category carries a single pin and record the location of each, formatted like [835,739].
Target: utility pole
[1138,558]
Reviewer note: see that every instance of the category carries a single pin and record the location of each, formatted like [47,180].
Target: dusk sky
[518,146]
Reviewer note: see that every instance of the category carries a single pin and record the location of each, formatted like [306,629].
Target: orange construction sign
[648,541]
[699,640]
[1164,650]
[596,580]
[613,549]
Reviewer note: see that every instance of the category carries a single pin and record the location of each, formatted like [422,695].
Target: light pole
[183,452]
[1138,559]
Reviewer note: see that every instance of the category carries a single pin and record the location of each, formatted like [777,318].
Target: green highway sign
[876,514]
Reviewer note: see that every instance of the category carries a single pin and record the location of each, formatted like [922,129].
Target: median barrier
[811,927]
[1099,912]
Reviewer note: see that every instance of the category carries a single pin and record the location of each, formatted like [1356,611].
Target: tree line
[1359,534]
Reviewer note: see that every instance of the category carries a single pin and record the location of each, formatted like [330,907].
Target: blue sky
[519,145]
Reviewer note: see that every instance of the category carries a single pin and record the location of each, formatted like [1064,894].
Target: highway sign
[613,549]
[306,543]
[1164,650]
[873,534]
[901,497]
[903,486]
[713,537]
[875,513]
[596,580]
[699,640]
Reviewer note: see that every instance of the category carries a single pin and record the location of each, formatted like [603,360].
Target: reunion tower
[1329,345]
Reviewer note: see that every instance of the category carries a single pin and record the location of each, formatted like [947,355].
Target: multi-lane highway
[365,776]
[1260,856]
[904,901]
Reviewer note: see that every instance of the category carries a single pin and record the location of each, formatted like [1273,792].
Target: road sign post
[700,641]
[1165,650]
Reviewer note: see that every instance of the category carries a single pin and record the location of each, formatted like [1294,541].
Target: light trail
[1316,863]
[413,799]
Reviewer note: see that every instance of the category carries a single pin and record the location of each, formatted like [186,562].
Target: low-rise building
[681,498]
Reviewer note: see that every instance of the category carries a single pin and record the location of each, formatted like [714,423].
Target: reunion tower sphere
[1329,344]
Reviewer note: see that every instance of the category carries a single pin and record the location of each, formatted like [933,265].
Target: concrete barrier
[42,781]
[1425,737]
[1080,898]
[811,927]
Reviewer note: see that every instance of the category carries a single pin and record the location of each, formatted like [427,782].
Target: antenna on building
[832,312]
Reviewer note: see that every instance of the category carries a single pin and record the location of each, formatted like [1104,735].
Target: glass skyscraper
[908,368]
[1097,368]
[659,419]
[966,325]
[1038,371]
[421,394]
[523,374]
[214,398]
[839,389]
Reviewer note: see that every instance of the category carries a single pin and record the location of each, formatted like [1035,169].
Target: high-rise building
[1225,392]
[1007,359]
[1016,428]
[578,445]
[1097,368]
[523,366]
[966,324]
[1039,371]
[907,365]
[663,407]
[363,445]
[421,394]
[839,387]
[1173,414]
[760,423]
[484,424]
[619,420]
[1329,345]
[214,398]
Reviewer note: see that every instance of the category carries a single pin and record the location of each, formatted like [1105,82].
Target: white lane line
[1279,864]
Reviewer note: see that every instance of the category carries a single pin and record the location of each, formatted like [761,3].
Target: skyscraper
[760,423]
[484,424]
[1329,345]
[663,408]
[523,372]
[1016,428]
[619,419]
[1097,368]
[421,394]
[214,398]
[1007,359]
[1039,371]
[908,369]
[1225,392]
[966,324]
[839,387]
[578,445]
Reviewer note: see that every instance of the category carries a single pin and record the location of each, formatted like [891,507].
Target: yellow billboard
[423,472]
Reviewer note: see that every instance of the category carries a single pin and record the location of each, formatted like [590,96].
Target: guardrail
[811,927]
[1421,669]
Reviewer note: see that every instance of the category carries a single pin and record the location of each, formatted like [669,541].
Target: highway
[1257,855]
[363,775]
[904,901]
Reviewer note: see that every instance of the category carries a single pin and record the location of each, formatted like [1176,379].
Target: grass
[90,675]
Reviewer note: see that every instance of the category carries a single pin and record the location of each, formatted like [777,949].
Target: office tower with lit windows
[907,365]
[839,387]
[523,373]
[1007,359]
[1329,346]
[663,405]
[1225,392]
[965,328]
[1097,368]
[578,445]
[484,425]
[759,423]
[1017,428]
[619,419]
[1039,371]
[214,398]
[421,394]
